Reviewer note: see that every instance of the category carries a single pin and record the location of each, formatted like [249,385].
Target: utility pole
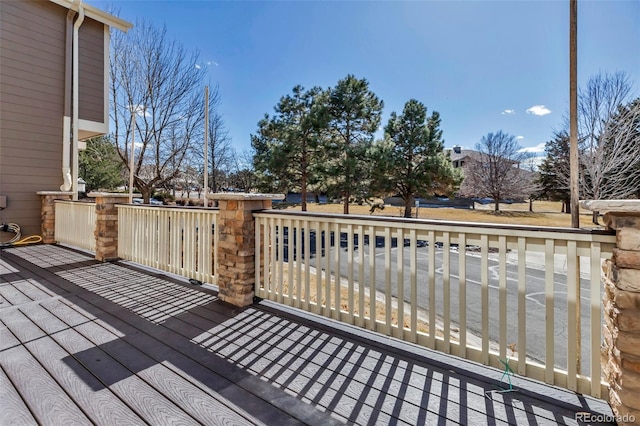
[573,112]
[206,145]
[131,154]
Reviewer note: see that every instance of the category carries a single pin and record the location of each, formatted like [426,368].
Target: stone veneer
[48,213]
[620,352]
[106,231]
[236,244]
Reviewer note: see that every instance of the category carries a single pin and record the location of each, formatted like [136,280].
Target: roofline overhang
[97,14]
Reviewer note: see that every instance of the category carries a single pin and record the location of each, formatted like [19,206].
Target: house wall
[32,65]
[91,68]
[32,51]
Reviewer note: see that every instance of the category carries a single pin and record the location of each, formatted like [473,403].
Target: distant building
[461,156]
[54,95]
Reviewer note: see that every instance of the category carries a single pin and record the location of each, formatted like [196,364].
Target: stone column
[48,213]
[106,231]
[236,244]
[620,352]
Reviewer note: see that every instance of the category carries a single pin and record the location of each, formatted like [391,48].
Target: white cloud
[519,137]
[539,110]
[141,110]
[534,149]
[508,112]
[207,64]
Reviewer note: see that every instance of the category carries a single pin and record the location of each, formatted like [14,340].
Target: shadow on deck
[87,342]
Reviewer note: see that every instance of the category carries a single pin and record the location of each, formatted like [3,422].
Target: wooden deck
[83,342]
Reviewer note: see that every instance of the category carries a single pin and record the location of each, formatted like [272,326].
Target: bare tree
[494,171]
[220,151]
[241,175]
[608,138]
[156,84]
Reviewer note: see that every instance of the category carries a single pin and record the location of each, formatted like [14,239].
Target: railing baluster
[274,266]
[337,312]
[298,261]
[290,261]
[484,296]
[446,290]
[214,249]
[572,310]
[549,311]
[319,243]
[431,285]
[596,320]
[462,290]
[522,306]
[258,247]
[350,291]
[361,280]
[502,298]
[387,280]
[413,284]
[328,273]
[307,265]
[373,301]
[400,279]
[280,283]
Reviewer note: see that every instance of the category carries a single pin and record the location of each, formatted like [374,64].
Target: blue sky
[483,65]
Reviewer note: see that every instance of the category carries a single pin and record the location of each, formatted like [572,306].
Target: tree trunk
[496,205]
[531,205]
[303,183]
[345,210]
[567,207]
[407,207]
[146,194]
[594,218]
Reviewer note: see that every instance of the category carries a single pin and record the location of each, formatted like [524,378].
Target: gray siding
[32,40]
[91,68]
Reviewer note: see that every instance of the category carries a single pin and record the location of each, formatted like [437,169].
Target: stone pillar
[48,213]
[620,352]
[106,231]
[236,244]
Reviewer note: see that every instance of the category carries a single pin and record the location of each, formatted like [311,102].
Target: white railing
[177,240]
[75,224]
[488,293]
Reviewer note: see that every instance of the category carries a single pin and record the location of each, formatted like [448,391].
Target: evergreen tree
[100,164]
[287,145]
[354,115]
[412,160]
[554,171]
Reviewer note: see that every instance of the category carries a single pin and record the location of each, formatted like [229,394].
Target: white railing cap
[54,193]
[612,206]
[244,196]
[112,195]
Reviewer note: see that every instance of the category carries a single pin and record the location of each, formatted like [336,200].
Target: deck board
[46,400]
[12,407]
[113,336]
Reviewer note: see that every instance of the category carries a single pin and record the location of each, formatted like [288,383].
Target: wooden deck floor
[83,342]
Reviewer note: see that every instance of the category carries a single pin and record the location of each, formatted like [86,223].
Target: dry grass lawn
[545,213]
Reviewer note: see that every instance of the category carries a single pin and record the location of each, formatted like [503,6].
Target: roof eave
[98,14]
